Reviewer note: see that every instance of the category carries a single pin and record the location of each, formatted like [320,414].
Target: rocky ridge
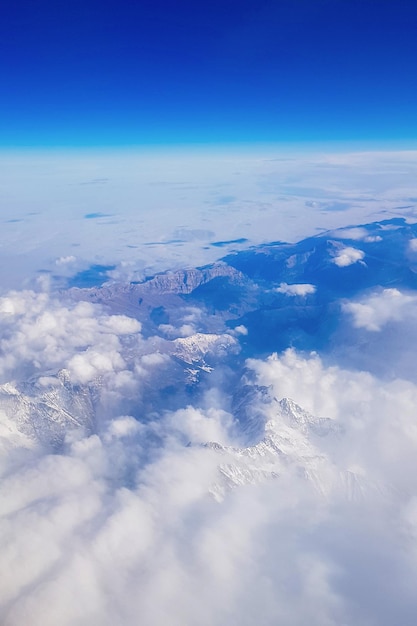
[47,409]
[291,443]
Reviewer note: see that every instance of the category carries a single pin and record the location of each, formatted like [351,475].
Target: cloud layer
[151,473]
[40,333]
[120,526]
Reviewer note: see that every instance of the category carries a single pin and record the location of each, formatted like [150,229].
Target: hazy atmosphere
[208,321]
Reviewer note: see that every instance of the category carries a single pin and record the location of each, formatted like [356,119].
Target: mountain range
[205,322]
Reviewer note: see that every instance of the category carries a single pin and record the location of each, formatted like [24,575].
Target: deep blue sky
[117,72]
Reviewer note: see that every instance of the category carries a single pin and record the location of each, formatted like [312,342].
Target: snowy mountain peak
[45,413]
[292,440]
[202,343]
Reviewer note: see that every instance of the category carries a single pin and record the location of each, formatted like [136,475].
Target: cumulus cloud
[39,333]
[48,346]
[302,289]
[377,417]
[119,525]
[348,256]
[377,310]
[91,364]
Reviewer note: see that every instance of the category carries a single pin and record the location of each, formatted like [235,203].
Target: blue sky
[118,73]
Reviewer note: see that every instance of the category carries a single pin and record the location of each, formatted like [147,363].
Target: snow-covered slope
[292,443]
[195,350]
[46,410]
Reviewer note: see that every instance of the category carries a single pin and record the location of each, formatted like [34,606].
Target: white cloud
[122,325]
[39,333]
[114,531]
[167,329]
[355,233]
[121,427]
[377,310]
[301,289]
[119,528]
[348,256]
[186,330]
[172,332]
[66,260]
[199,427]
[412,244]
[154,359]
[192,315]
[377,416]
[91,364]
[348,181]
